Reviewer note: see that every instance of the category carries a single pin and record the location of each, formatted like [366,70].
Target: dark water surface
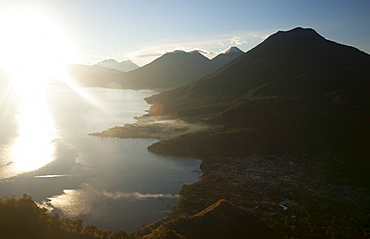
[46,152]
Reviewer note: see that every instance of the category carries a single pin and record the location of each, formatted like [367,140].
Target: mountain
[227,56]
[220,220]
[177,68]
[124,66]
[96,76]
[171,70]
[295,92]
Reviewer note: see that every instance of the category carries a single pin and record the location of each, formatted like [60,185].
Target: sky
[88,31]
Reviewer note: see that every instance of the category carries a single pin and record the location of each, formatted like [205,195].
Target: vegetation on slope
[220,220]
[22,218]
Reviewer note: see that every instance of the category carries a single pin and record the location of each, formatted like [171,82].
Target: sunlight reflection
[88,200]
[34,147]
[68,80]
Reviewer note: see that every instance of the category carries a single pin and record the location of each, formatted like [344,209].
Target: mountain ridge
[124,66]
[290,72]
[227,56]
[222,219]
[255,57]
[173,69]
[169,71]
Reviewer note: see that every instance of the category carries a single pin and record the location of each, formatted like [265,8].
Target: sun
[32,46]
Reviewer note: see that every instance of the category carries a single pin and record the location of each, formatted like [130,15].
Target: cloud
[112,56]
[205,52]
[144,53]
[237,40]
[148,54]
[209,47]
[185,49]
[263,37]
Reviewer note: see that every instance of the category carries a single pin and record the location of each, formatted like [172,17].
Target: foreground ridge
[220,220]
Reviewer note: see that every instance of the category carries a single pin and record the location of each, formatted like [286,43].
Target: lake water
[46,152]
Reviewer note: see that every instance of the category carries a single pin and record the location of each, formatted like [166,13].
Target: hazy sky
[142,30]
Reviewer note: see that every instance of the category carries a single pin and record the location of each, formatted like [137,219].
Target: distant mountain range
[95,76]
[177,68]
[294,92]
[124,66]
[171,70]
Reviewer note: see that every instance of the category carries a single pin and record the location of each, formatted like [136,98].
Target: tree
[119,235]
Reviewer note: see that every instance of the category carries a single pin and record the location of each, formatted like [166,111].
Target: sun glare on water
[32,51]
[32,46]
[34,147]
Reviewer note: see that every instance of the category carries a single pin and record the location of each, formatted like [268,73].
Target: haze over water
[46,152]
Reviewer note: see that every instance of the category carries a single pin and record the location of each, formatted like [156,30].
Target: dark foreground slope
[220,220]
[23,218]
[295,92]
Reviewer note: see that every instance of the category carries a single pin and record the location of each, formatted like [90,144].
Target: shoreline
[273,187]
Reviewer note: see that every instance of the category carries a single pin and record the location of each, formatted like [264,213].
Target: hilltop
[175,69]
[295,92]
[220,220]
[227,56]
[124,66]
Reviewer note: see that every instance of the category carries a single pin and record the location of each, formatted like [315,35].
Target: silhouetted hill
[227,56]
[124,66]
[23,218]
[177,68]
[171,70]
[94,75]
[294,92]
[220,220]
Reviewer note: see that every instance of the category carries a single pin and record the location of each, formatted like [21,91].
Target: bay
[46,152]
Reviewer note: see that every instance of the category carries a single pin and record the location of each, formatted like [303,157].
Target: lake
[46,152]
